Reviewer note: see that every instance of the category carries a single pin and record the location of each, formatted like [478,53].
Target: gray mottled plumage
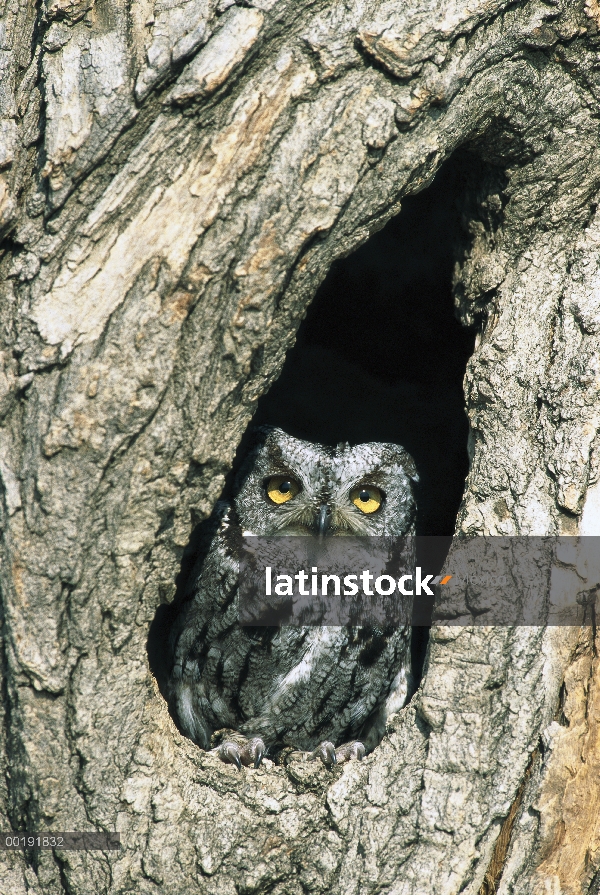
[293,686]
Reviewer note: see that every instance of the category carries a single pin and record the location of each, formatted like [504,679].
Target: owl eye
[281,488]
[367,498]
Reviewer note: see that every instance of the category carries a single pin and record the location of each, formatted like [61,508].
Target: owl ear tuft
[410,468]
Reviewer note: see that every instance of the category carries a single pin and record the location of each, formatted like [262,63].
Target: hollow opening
[381,357]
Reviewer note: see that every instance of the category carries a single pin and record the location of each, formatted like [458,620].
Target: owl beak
[324,519]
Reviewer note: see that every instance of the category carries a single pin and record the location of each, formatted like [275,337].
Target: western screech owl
[305,687]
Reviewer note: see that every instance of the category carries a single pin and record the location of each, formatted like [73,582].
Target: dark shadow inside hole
[381,357]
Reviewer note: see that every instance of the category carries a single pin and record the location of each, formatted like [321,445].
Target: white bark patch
[213,65]
[590,518]
[177,30]
[10,483]
[8,141]
[87,86]
[171,220]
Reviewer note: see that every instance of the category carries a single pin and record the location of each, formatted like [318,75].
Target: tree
[176,182]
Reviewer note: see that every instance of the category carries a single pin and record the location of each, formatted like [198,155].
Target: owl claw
[230,754]
[326,752]
[251,753]
[349,751]
[255,749]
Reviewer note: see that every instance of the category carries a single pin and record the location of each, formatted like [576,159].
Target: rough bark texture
[177,178]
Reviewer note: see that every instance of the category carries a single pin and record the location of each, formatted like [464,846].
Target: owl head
[287,486]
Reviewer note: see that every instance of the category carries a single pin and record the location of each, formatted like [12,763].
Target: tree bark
[176,181]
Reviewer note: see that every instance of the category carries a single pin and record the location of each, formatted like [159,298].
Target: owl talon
[326,752]
[251,753]
[354,750]
[254,750]
[230,754]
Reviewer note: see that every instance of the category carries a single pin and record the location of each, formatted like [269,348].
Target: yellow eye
[367,498]
[282,488]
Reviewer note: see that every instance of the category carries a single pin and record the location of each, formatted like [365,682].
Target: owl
[325,690]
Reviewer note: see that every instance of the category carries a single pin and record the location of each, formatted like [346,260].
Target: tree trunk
[176,182]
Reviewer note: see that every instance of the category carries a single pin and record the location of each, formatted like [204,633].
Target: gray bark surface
[176,180]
